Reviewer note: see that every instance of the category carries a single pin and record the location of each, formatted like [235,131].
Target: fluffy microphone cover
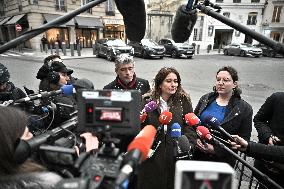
[183,24]
[134,17]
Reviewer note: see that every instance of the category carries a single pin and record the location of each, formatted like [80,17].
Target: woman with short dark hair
[224,104]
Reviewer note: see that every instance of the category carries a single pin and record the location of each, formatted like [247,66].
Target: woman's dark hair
[13,123]
[160,77]
[234,74]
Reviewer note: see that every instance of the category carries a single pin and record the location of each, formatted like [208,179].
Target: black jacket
[35,180]
[269,120]
[141,84]
[12,93]
[262,151]
[237,121]
[158,171]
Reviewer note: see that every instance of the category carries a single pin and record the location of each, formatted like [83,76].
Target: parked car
[267,51]
[110,48]
[177,50]
[148,48]
[242,49]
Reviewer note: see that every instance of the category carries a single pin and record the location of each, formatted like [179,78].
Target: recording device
[192,120]
[213,123]
[202,174]
[184,22]
[118,110]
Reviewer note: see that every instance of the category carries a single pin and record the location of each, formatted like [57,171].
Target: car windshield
[116,43]
[148,42]
[245,45]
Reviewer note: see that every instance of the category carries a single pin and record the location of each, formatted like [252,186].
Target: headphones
[52,76]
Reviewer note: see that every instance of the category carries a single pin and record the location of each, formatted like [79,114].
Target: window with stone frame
[276,14]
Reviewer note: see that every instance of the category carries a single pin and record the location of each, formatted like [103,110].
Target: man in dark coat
[126,78]
[269,123]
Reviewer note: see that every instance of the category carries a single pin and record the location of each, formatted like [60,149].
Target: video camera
[104,112]
[119,110]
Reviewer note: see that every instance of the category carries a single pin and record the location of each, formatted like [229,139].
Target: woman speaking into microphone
[159,169]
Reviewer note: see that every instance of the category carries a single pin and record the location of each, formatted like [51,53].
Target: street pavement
[258,77]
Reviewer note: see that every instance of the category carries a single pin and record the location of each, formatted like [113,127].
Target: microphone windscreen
[165,117]
[134,17]
[202,131]
[191,119]
[175,130]
[67,90]
[151,106]
[184,143]
[212,121]
[183,24]
[143,141]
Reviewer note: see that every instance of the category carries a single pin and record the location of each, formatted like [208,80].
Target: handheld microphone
[214,123]
[183,24]
[185,149]
[134,17]
[165,118]
[137,152]
[149,107]
[175,134]
[192,120]
[67,90]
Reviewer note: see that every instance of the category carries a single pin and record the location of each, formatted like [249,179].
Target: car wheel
[226,52]
[189,57]
[271,54]
[109,57]
[144,55]
[97,53]
[161,57]
[243,53]
[174,54]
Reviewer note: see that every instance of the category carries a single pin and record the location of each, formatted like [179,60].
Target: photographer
[13,174]
[8,91]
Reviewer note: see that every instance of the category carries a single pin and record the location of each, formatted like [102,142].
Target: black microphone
[183,24]
[185,152]
[213,122]
[134,17]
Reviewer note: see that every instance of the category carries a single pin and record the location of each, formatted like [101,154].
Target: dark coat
[12,93]
[141,84]
[262,151]
[237,121]
[35,180]
[269,120]
[158,171]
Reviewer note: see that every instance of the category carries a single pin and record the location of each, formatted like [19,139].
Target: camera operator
[13,174]
[8,91]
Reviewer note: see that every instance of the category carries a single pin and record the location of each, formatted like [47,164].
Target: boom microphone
[67,90]
[213,122]
[134,17]
[183,24]
[137,151]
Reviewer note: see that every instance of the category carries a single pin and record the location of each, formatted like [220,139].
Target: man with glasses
[126,78]
[8,91]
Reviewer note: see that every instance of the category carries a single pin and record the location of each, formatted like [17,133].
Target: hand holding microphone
[149,107]
[239,143]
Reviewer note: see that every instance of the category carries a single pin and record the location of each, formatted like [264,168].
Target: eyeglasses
[224,80]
